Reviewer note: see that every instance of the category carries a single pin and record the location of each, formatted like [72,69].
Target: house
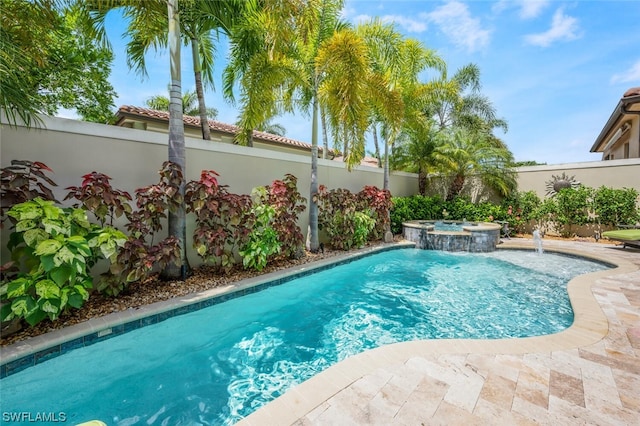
[158,121]
[620,137]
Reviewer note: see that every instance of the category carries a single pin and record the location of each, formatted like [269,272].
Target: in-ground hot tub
[451,235]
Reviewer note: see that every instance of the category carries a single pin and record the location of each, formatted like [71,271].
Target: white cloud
[631,75]
[459,26]
[347,12]
[409,24]
[563,27]
[529,9]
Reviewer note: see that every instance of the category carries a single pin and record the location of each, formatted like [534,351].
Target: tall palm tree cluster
[289,56]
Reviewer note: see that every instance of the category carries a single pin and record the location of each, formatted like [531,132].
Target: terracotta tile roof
[634,91]
[213,125]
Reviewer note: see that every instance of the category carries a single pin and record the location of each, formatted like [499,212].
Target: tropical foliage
[58,247]
[189,105]
[50,60]
[289,56]
[601,208]
[349,219]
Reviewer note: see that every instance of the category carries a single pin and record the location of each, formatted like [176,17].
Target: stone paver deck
[588,374]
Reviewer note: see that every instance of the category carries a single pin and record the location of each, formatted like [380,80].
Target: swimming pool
[240,354]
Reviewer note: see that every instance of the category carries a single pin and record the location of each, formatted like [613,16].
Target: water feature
[218,364]
[452,235]
[537,241]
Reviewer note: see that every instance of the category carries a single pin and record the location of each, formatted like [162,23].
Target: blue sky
[554,70]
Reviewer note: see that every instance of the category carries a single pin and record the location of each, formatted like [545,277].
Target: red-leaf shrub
[223,220]
[23,181]
[283,195]
[98,196]
[379,202]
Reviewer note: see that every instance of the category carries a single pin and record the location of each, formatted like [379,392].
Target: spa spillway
[452,235]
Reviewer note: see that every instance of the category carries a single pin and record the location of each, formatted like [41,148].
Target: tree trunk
[345,146]
[377,145]
[313,199]
[422,182]
[386,165]
[325,138]
[455,188]
[202,107]
[177,219]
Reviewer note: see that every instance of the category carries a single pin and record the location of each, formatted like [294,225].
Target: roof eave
[617,114]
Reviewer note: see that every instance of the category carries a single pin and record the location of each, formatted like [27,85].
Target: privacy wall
[132,159]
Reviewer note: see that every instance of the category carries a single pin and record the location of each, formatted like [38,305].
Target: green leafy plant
[263,240]
[524,210]
[616,206]
[417,207]
[23,181]
[223,220]
[572,208]
[363,225]
[57,247]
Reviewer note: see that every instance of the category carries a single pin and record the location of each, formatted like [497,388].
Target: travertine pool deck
[587,374]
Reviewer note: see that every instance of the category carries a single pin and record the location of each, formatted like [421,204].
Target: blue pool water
[219,364]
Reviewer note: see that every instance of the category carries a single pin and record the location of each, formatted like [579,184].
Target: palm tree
[395,65]
[148,28]
[464,153]
[274,128]
[177,218]
[221,14]
[415,150]
[190,105]
[98,10]
[457,102]
[275,57]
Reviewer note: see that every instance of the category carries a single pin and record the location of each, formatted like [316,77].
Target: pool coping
[590,326]
[473,226]
[35,350]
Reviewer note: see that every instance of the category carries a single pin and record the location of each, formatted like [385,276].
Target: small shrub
[263,240]
[98,196]
[378,203]
[223,220]
[417,207]
[572,208]
[57,247]
[23,181]
[139,255]
[340,217]
[616,206]
[525,210]
[363,225]
[284,197]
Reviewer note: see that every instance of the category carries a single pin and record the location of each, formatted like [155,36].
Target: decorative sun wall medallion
[556,183]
